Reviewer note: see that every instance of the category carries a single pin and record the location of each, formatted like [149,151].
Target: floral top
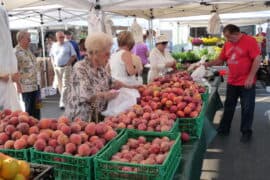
[28,68]
[86,82]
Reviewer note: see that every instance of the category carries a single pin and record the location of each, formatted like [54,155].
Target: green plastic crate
[110,170]
[193,126]
[173,130]
[205,95]
[68,167]
[22,154]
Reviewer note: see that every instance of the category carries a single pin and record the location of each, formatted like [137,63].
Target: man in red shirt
[242,55]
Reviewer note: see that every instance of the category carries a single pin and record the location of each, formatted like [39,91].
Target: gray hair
[21,34]
[97,42]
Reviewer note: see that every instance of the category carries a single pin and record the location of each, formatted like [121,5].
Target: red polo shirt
[239,57]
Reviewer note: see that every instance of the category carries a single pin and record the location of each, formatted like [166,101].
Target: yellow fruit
[19,177]
[24,168]
[10,168]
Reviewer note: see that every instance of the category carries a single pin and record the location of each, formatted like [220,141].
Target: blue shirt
[61,53]
[76,48]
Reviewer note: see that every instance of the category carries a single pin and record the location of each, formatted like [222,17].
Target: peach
[20,144]
[63,119]
[75,139]
[40,144]
[32,121]
[146,115]
[84,150]
[53,143]
[62,139]
[59,149]
[9,129]
[54,125]
[70,148]
[90,129]
[109,135]
[165,128]
[187,110]
[160,158]
[65,129]
[194,114]
[23,118]
[23,128]
[180,114]
[93,138]
[94,150]
[14,121]
[142,127]
[45,123]
[9,144]
[75,128]
[121,125]
[32,139]
[44,135]
[164,146]
[56,133]
[99,144]
[7,112]
[101,128]
[49,149]
[15,113]
[16,135]
[3,138]
[33,130]
[84,136]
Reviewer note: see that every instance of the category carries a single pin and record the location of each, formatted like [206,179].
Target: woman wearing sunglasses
[160,59]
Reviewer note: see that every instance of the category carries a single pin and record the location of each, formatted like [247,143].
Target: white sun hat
[161,38]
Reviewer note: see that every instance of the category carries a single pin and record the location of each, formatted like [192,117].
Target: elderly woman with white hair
[91,85]
[160,59]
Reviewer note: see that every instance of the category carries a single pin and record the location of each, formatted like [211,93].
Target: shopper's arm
[254,68]
[217,62]
[71,60]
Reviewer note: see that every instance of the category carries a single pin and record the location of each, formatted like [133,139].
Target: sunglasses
[164,43]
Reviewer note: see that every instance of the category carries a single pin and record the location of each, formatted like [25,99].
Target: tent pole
[43,56]
[150,24]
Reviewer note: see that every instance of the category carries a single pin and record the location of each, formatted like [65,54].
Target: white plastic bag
[125,100]
[199,73]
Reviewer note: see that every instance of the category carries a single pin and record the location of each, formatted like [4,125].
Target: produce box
[68,167]
[205,95]
[112,170]
[193,126]
[41,172]
[22,154]
[173,130]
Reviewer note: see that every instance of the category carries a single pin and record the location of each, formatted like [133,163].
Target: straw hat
[161,38]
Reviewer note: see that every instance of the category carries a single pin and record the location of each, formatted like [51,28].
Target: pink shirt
[141,51]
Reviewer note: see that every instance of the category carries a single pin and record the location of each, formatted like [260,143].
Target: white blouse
[158,63]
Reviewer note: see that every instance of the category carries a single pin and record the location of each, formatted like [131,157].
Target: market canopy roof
[153,8]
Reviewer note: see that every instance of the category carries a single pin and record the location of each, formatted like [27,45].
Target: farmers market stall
[184,158]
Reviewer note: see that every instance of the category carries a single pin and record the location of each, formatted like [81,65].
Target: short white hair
[21,34]
[98,41]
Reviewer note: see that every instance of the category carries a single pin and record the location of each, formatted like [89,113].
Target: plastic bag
[125,100]
[267,113]
[199,73]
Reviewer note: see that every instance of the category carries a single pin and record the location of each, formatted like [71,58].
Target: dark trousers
[30,99]
[247,101]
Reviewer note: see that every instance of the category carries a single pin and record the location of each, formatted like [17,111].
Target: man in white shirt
[62,55]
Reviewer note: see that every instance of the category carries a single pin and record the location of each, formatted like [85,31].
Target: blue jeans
[30,99]
[247,101]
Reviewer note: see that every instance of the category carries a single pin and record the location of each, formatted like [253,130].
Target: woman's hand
[15,77]
[170,64]
[111,94]
[4,78]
